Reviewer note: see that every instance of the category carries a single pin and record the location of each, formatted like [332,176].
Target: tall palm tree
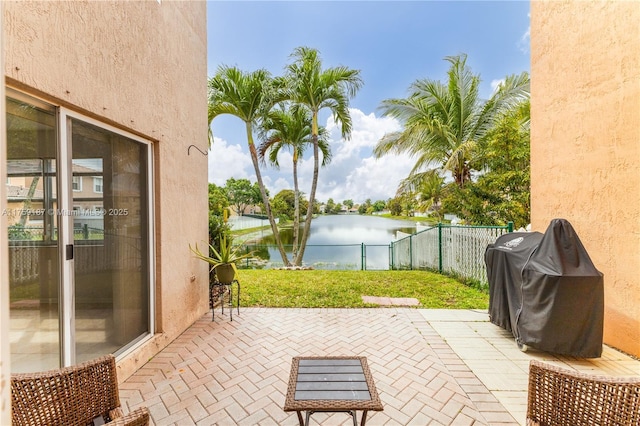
[309,85]
[291,129]
[246,96]
[443,122]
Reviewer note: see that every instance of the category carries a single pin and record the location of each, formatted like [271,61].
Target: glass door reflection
[34,279]
[110,214]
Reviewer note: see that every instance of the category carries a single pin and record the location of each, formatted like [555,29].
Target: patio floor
[431,367]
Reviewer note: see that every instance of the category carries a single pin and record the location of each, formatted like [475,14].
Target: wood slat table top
[331,383]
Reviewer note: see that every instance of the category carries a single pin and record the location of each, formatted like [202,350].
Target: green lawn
[343,289]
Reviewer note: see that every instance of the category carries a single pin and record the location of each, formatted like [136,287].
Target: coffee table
[331,384]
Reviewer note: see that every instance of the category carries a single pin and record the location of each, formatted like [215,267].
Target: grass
[428,219]
[343,289]
[246,231]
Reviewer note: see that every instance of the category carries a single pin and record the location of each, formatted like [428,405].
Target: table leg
[300,418]
[211,301]
[364,418]
[238,282]
[230,301]
[222,297]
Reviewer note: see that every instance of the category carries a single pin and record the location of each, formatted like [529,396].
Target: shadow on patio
[448,367]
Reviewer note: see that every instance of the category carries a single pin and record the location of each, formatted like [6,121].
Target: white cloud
[227,161]
[378,179]
[279,185]
[366,131]
[353,172]
[524,44]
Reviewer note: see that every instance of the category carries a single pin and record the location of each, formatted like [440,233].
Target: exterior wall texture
[140,66]
[5,376]
[585,142]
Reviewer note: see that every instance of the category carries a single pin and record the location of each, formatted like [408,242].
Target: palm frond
[443,122]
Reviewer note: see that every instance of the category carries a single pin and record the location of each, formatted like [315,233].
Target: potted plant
[222,261]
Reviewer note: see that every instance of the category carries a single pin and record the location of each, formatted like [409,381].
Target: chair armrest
[561,396]
[138,417]
[116,413]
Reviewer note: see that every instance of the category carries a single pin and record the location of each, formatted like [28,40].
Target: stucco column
[585,142]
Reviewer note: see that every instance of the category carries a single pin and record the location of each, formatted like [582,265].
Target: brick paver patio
[236,373]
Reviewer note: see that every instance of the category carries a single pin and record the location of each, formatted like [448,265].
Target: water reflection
[341,242]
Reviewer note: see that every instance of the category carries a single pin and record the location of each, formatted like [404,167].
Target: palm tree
[426,188]
[246,96]
[309,85]
[291,129]
[443,122]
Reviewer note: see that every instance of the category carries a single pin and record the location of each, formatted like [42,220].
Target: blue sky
[392,43]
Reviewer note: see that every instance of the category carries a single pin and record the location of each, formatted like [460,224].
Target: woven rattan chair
[72,396]
[560,397]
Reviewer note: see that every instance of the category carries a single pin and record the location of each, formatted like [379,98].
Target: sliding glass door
[79,235]
[34,263]
[111,233]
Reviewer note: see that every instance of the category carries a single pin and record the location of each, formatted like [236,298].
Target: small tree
[379,206]
[366,207]
[395,206]
[242,194]
[330,207]
[218,228]
[284,204]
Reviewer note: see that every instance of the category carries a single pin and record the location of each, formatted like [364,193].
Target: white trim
[95,179]
[77,179]
[34,100]
[133,346]
[65,239]
[150,207]
[152,242]
[103,125]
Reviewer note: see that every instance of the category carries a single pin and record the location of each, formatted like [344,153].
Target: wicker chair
[559,397]
[71,396]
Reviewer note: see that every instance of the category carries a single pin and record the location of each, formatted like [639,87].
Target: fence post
[86,231]
[363,257]
[440,247]
[510,226]
[411,252]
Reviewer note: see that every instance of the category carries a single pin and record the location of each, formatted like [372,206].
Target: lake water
[341,242]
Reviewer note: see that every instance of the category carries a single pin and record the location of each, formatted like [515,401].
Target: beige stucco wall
[585,142]
[5,377]
[141,66]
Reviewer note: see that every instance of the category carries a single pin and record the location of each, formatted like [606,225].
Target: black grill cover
[546,291]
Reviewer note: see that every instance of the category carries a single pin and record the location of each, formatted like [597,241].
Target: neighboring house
[248,210]
[103,100]
[585,142]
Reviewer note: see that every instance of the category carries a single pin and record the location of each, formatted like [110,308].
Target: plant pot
[225,272]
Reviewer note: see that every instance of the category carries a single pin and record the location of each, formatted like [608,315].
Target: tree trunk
[314,184]
[296,210]
[265,198]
